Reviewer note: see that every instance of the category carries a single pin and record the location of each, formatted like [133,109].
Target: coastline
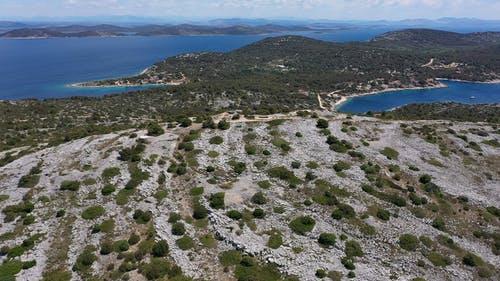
[80,85]
[344,99]
[496,81]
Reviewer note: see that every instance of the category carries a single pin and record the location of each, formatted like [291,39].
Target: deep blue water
[456,91]
[41,68]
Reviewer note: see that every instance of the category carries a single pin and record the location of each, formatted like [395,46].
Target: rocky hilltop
[282,197]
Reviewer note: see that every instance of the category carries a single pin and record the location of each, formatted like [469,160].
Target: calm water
[42,68]
[456,91]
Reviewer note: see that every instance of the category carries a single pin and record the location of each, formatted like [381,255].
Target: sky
[292,9]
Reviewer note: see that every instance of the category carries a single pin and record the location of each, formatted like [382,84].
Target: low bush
[383,214]
[199,211]
[121,246]
[302,224]
[142,217]
[178,229]
[353,249]
[110,173]
[438,259]
[230,257]
[322,124]
[439,224]
[154,129]
[185,243]
[216,140]
[275,240]
[108,189]
[259,198]
[390,153]
[258,213]
[93,212]
[327,239]
[408,242]
[343,211]
[472,260]
[160,249]
[70,185]
[216,200]
[234,214]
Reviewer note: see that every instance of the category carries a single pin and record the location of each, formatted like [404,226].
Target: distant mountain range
[105,30]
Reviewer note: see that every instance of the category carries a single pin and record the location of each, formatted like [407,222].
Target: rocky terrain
[258,198]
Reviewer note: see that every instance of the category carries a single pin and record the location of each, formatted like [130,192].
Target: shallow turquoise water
[456,91]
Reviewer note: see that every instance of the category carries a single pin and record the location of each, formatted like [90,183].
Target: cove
[461,92]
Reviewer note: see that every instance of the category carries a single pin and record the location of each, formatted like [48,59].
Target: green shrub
[110,173]
[28,220]
[320,273]
[137,176]
[484,272]
[322,124]
[353,249]
[234,214]
[327,239]
[348,263]
[438,260]
[230,257]
[133,239]
[343,211]
[60,213]
[121,246]
[438,223]
[424,179]
[216,140]
[472,260]
[85,260]
[93,212]
[238,167]
[258,213]
[281,143]
[160,249]
[29,264]
[216,200]
[185,243]
[223,125]
[275,240]
[154,129]
[70,185]
[264,184]
[185,122]
[57,275]
[302,224]
[250,149]
[132,154]
[178,229]
[341,166]
[390,153]
[108,189]
[340,146]
[199,211]
[28,181]
[157,268]
[106,248]
[174,217]
[383,214]
[196,191]
[284,174]
[408,242]
[142,217]
[259,198]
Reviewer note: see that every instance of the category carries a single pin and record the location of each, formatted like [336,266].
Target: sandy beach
[344,99]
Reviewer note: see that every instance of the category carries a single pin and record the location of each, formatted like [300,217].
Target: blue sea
[42,68]
[462,92]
